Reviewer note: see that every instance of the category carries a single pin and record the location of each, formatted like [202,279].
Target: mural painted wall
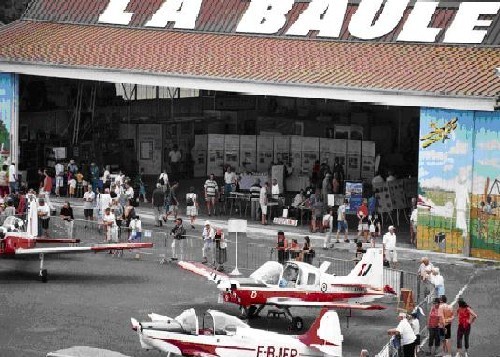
[459,188]
[7,102]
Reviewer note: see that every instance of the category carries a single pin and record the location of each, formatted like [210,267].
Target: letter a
[265,16]
[361,23]
[115,13]
[325,16]
[183,12]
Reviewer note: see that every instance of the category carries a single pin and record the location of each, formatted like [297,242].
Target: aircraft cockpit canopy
[13,224]
[290,276]
[188,321]
[268,273]
[221,323]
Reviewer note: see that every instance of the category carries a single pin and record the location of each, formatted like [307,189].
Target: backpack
[190,201]
[161,181]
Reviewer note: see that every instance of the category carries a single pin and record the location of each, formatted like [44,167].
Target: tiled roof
[223,16]
[428,69]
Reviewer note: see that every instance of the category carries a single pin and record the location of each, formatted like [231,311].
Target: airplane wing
[203,270]
[290,302]
[89,249]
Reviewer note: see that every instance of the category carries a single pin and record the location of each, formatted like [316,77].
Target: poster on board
[354,195]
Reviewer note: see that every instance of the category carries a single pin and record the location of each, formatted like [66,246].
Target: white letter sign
[265,16]
[416,26]
[183,12]
[462,28]
[115,13]
[325,16]
[361,23]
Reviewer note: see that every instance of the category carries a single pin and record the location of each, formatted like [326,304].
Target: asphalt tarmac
[90,298]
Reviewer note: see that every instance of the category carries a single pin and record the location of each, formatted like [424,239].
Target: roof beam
[365,95]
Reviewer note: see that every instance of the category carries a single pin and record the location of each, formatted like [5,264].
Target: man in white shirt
[109,220]
[263,202]
[12,178]
[208,236]
[342,221]
[106,180]
[211,193]
[229,181]
[163,180]
[175,158]
[88,204]
[405,331]
[389,243]
[59,169]
[43,212]
[275,190]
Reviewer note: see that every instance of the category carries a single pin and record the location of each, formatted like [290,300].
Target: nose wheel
[43,275]
[43,272]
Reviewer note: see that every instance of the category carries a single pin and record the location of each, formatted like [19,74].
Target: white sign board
[237,226]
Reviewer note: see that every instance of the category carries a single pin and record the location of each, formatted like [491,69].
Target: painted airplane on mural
[439,133]
[15,243]
[298,284]
[222,335]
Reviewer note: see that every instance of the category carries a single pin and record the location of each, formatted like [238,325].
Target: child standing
[135,229]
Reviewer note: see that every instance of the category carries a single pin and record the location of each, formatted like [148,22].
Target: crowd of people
[440,320]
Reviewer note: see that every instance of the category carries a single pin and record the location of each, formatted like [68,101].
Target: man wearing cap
[255,194]
[408,337]
[389,243]
[208,236]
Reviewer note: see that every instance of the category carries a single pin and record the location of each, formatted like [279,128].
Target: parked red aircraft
[298,284]
[16,243]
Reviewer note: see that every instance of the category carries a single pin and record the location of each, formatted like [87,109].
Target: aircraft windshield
[13,224]
[290,276]
[269,273]
[225,324]
[188,321]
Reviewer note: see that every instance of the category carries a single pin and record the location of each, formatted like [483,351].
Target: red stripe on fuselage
[186,347]
[258,297]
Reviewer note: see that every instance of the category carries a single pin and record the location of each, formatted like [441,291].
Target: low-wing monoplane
[15,242]
[222,335]
[298,284]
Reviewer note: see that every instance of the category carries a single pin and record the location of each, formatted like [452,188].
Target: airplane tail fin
[325,334]
[370,269]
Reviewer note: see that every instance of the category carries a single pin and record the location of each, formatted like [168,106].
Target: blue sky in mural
[444,161]
[5,98]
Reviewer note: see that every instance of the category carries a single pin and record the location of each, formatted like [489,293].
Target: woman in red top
[47,182]
[466,316]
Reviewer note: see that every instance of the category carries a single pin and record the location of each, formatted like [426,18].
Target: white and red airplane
[16,243]
[300,284]
[222,335]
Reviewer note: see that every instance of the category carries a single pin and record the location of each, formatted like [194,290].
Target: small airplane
[223,335]
[439,133]
[298,284]
[16,243]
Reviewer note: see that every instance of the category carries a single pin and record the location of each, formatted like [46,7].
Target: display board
[232,151]
[200,163]
[248,152]
[367,167]
[397,192]
[282,149]
[265,148]
[354,195]
[326,151]
[296,153]
[215,162]
[383,197]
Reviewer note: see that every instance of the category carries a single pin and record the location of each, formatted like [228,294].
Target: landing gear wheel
[297,324]
[43,275]
[251,311]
